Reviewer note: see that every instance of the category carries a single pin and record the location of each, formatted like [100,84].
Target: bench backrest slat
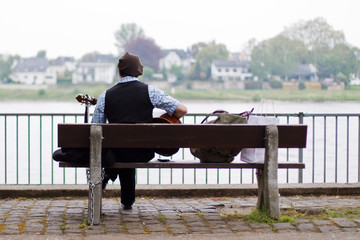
[180,135]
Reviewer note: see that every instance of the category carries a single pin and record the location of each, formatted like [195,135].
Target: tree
[147,50]
[197,47]
[202,68]
[41,53]
[277,56]
[177,71]
[339,63]
[147,73]
[249,46]
[259,64]
[285,55]
[127,33]
[5,67]
[356,52]
[317,35]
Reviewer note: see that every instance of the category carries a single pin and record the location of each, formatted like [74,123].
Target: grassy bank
[68,94]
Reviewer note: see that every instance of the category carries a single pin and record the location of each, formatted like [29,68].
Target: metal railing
[332,155]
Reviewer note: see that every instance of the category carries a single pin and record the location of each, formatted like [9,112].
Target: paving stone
[299,221]
[200,229]
[259,225]
[322,222]
[286,231]
[357,221]
[221,230]
[306,227]
[344,223]
[9,232]
[241,227]
[283,226]
[329,229]
[155,228]
[182,230]
[351,230]
[136,231]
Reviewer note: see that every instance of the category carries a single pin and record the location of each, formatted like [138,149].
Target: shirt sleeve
[99,112]
[162,100]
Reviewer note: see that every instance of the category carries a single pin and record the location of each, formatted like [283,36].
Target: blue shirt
[158,98]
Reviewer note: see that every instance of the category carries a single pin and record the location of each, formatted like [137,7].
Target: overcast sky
[76,27]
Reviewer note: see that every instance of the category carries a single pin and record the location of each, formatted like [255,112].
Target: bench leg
[96,176]
[268,190]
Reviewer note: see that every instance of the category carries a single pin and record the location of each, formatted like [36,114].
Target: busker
[132,101]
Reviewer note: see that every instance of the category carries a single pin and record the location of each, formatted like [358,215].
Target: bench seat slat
[180,135]
[187,164]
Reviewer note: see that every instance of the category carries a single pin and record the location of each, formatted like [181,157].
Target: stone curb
[183,191]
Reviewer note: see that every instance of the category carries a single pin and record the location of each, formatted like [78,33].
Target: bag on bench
[81,155]
[220,155]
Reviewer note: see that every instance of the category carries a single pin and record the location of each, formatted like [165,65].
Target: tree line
[305,42]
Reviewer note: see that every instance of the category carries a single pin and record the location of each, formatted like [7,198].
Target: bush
[301,85]
[41,93]
[275,84]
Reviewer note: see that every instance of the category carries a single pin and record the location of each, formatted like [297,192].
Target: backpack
[221,155]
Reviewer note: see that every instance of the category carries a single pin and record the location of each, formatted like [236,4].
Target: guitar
[166,118]
[87,100]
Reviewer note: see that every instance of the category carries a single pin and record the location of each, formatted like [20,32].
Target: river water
[332,153]
[197,106]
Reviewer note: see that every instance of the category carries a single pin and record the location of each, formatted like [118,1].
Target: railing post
[301,156]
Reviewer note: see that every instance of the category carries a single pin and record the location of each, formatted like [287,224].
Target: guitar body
[166,118]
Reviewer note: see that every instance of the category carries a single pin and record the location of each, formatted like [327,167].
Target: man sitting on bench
[131,101]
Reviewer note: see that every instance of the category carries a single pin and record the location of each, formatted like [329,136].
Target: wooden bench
[271,137]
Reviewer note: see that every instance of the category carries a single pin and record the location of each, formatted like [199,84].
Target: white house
[96,68]
[230,70]
[61,65]
[176,57]
[32,71]
[306,72]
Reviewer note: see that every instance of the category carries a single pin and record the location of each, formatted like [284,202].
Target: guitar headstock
[84,98]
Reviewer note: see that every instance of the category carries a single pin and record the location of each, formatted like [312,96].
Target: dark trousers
[127,175]
[127,183]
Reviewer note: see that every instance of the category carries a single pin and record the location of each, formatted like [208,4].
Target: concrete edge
[178,191]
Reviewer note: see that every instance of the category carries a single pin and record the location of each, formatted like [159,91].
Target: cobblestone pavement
[164,217]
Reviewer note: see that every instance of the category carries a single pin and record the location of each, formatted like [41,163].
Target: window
[235,70]
[219,69]
[227,70]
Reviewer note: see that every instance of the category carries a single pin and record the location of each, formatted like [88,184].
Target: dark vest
[129,103]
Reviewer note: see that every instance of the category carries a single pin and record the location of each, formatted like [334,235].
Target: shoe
[127,207]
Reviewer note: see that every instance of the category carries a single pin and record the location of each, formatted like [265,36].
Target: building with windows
[95,68]
[305,72]
[62,65]
[176,57]
[230,70]
[32,71]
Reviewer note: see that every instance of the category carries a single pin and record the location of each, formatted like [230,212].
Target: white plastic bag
[257,155]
